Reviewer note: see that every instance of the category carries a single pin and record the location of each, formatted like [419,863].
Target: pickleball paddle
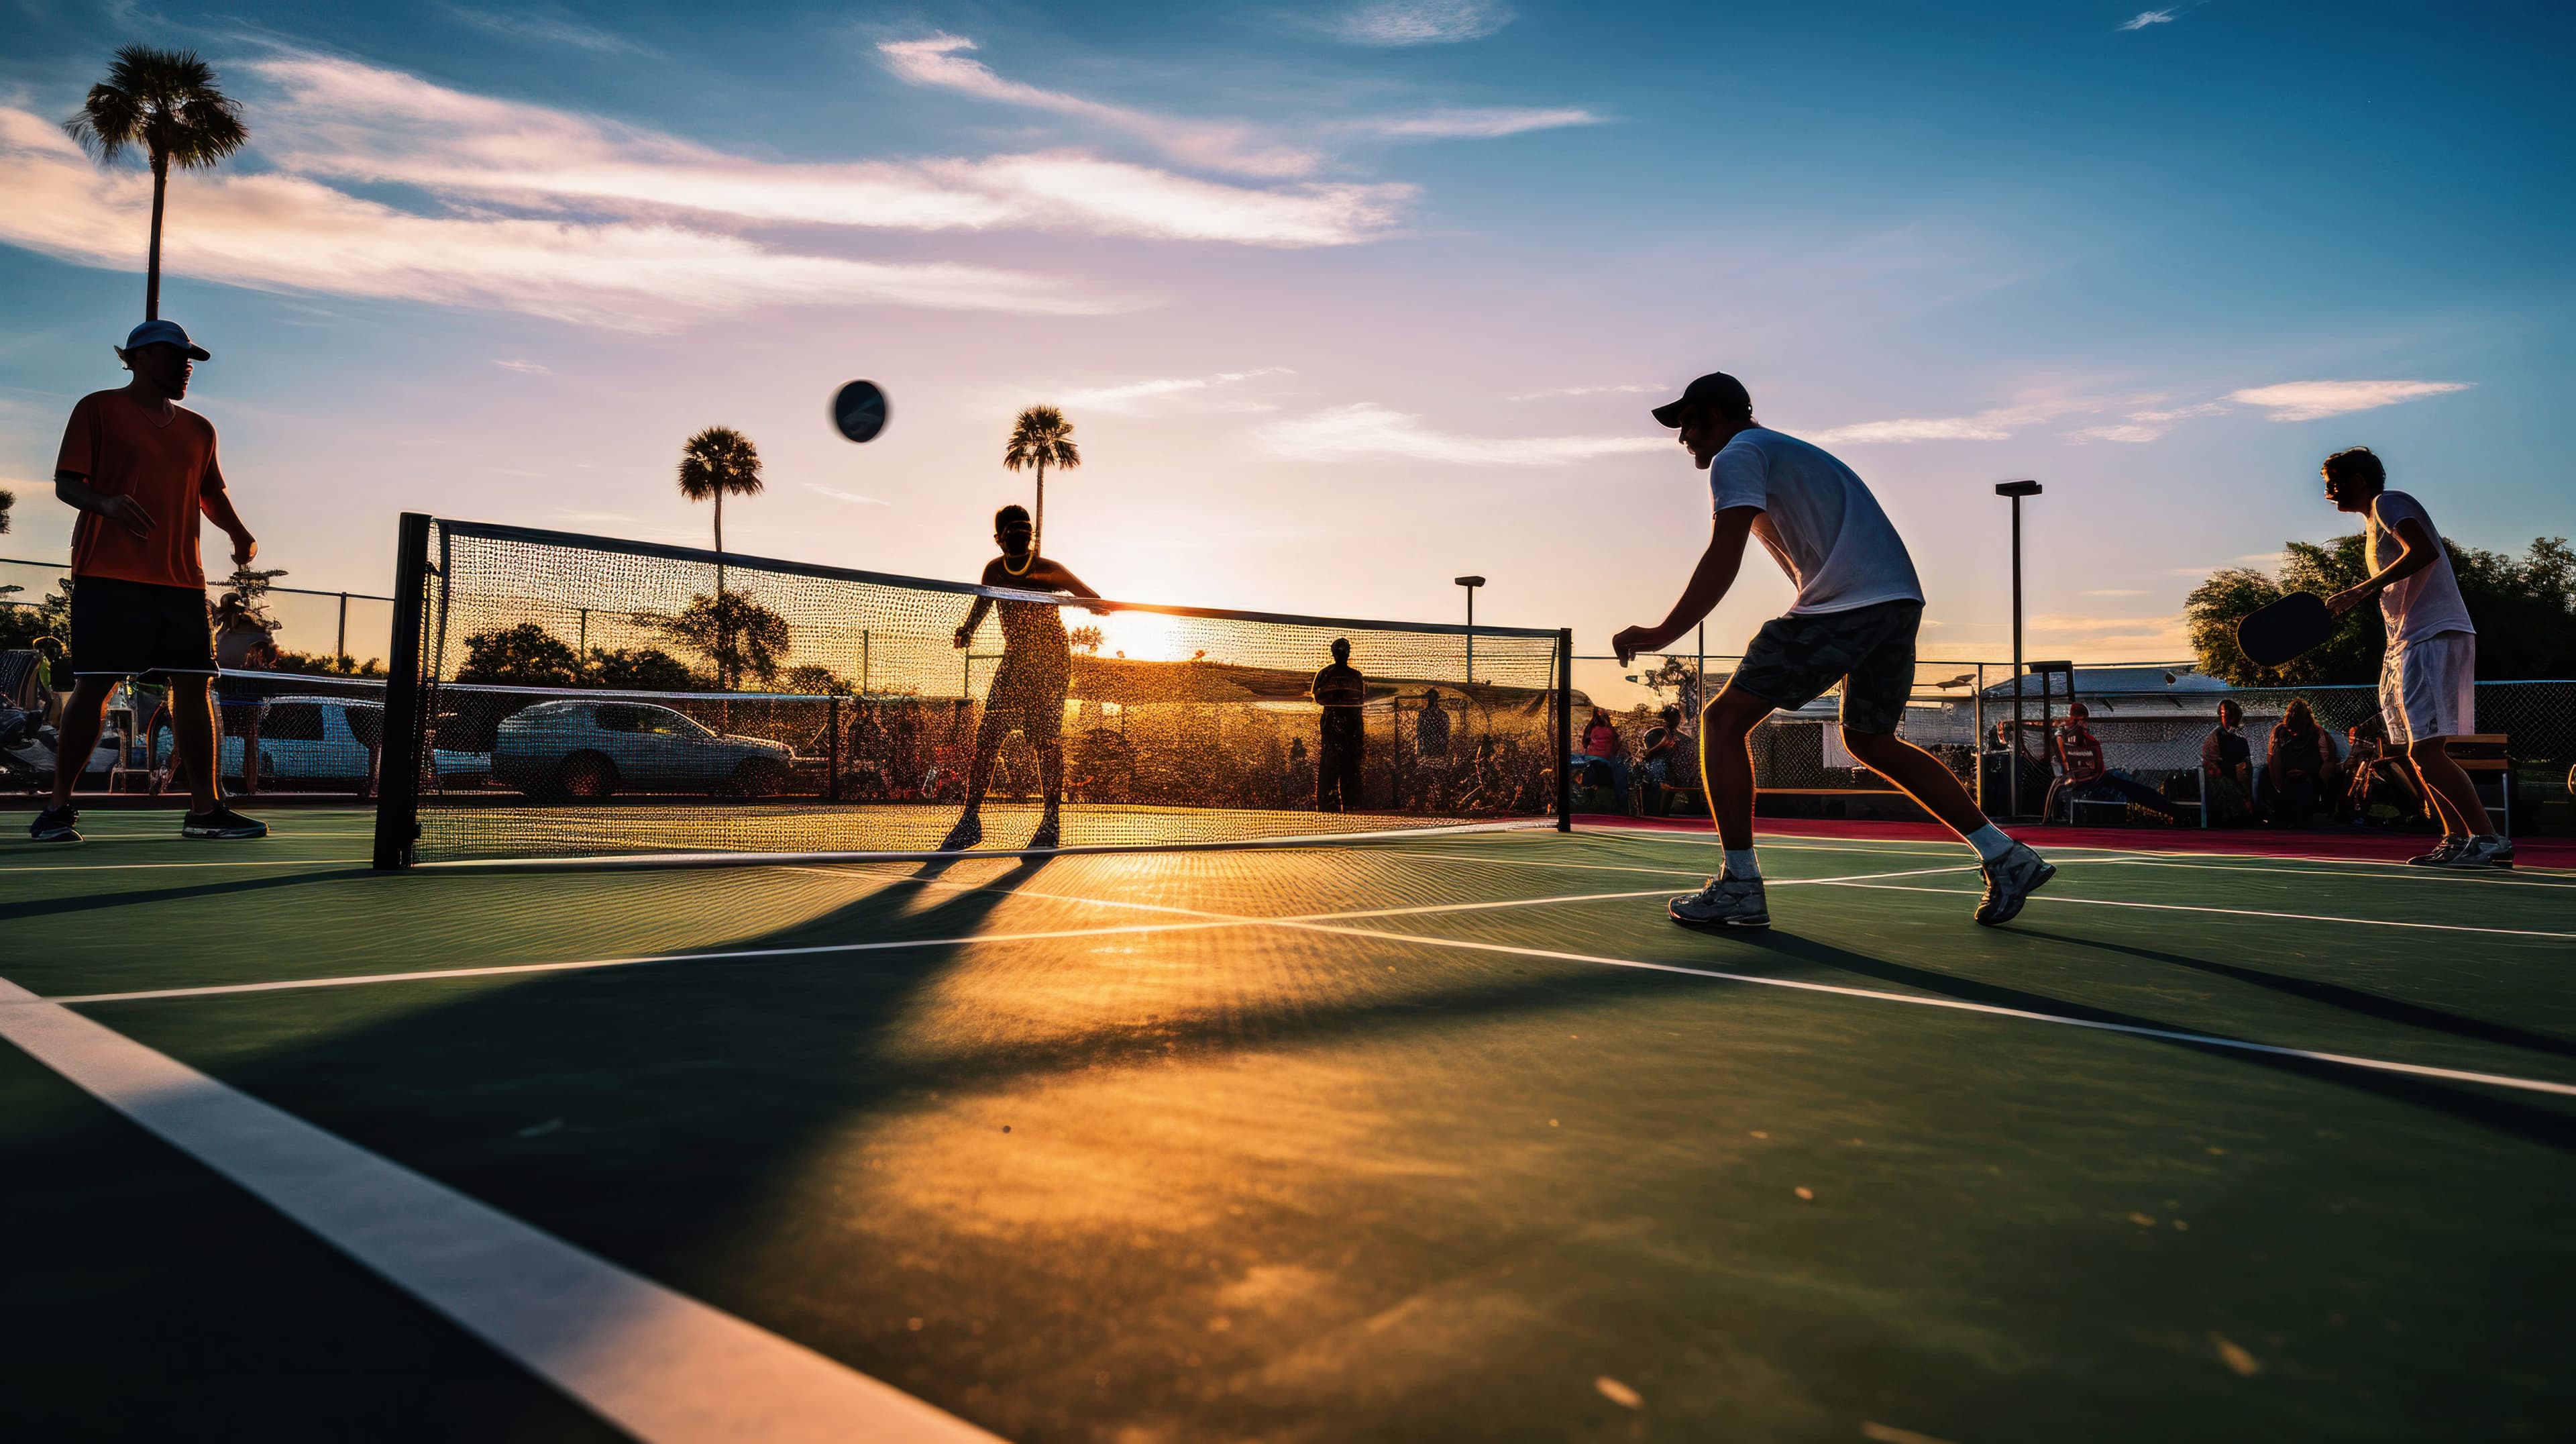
[2271,635]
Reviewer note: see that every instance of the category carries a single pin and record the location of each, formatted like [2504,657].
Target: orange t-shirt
[122,449]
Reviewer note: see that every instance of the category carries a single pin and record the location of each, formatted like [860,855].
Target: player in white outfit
[2428,676]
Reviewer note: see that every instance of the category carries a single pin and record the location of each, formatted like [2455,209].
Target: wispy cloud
[1366,431]
[550,25]
[2113,592]
[849,496]
[2131,434]
[2145,18]
[1140,395]
[349,121]
[288,233]
[2179,413]
[1631,388]
[1421,22]
[1985,426]
[2309,400]
[1483,123]
[528,367]
[939,60]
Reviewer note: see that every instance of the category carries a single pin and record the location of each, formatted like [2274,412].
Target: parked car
[588,750]
[324,742]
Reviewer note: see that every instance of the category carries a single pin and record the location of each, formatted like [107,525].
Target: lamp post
[2012,764]
[1470,583]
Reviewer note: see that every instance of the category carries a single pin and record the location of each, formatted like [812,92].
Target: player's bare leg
[2468,835]
[1734,898]
[2012,871]
[969,830]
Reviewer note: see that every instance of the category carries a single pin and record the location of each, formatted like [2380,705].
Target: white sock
[1990,842]
[1741,866]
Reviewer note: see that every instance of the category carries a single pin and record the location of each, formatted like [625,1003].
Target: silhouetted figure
[1028,688]
[1339,690]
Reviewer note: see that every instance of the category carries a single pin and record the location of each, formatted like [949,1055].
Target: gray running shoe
[223,822]
[56,824]
[2010,880]
[1725,903]
[968,832]
[2442,853]
[2480,853]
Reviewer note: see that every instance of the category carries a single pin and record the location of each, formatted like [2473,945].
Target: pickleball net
[557,697]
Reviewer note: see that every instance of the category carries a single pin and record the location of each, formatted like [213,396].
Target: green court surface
[1443,1137]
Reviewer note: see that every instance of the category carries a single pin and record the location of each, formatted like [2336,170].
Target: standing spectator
[1340,690]
[2227,760]
[2084,773]
[243,644]
[2297,766]
[1431,748]
[141,469]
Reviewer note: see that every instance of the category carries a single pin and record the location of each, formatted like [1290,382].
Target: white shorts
[2428,687]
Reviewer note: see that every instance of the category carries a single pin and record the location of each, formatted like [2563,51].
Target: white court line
[1333,924]
[156,866]
[2039,839]
[2411,874]
[1201,922]
[2103,902]
[654,1362]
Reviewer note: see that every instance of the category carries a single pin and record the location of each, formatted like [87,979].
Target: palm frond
[166,102]
[1041,435]
[719,459]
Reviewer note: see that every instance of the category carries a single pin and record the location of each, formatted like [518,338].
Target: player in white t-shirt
[1854,622]
[2428,675]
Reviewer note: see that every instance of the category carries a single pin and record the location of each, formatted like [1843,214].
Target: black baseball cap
[1717,391]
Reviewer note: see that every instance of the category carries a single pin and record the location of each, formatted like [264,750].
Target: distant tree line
[2524,607]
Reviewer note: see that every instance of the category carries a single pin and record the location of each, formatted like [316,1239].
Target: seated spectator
[2083,773]
[242,644]
[2298,763]
[1599,751]
[2380,776]
[1671,761]
[2227,761]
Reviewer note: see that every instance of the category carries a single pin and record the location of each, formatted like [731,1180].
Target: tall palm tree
[717,461]
[166,102]
[1041,438]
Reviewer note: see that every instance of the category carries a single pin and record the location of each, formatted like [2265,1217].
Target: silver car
[587,750]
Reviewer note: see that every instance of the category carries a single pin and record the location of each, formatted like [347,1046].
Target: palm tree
[1041,438]
[166,102]
[714,462]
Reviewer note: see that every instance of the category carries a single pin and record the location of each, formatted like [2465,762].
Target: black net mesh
[588,697]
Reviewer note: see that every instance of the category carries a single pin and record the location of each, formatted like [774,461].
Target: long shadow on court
[95,902]
[2337,995]
[2474,1105]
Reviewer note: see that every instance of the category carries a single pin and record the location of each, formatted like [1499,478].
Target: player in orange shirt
[141,469]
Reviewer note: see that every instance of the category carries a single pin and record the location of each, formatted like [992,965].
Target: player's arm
[2421,550]
[1062,577]
[974,619]
[73,490]
[1709,583]
[216,501]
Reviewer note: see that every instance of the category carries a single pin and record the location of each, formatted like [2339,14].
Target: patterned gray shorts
[1794,660]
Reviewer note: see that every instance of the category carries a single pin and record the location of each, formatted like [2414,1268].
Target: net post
[398,772]
[1564,728]
[832,729]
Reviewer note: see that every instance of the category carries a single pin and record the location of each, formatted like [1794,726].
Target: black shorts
[1794,660]
[1030,696]
[136,629]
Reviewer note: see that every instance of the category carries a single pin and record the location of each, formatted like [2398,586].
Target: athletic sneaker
[968,832]
[2483,852]
[2442,853]
[1048,836]
[2010,880]
[222,822]
[1726,902]
[55,824]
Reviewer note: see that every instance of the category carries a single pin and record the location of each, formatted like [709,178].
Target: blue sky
[1343,300]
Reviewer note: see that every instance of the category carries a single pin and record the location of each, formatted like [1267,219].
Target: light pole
[1470,583]
[2012,764]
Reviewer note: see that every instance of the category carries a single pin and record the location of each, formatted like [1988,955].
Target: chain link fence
[355,625]
[2150,717]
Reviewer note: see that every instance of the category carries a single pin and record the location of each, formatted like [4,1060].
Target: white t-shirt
[2428,602]
[1818,519]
